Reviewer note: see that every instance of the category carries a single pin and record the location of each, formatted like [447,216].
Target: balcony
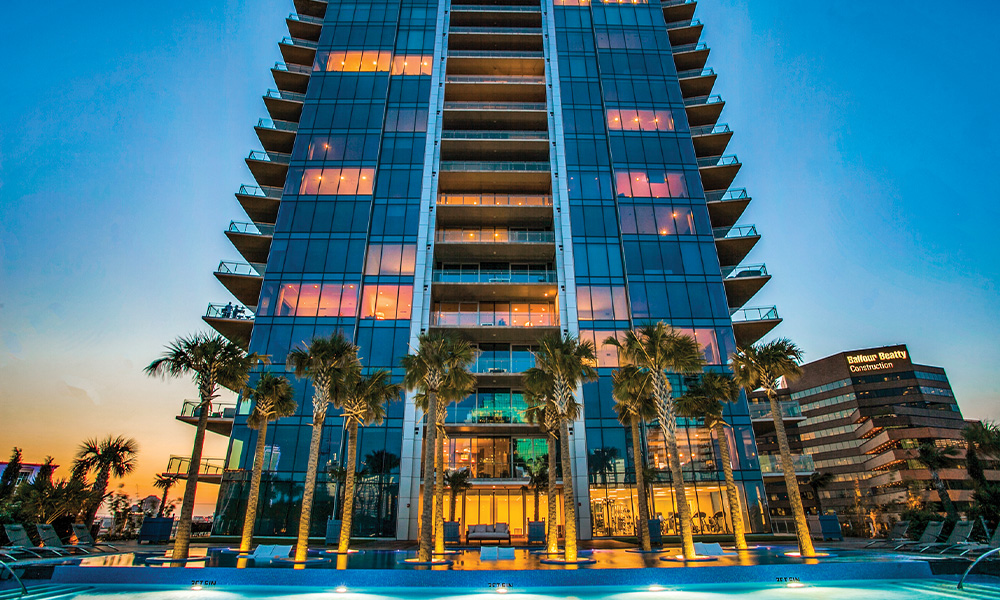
[311,8]
[495,276]
[210,471]
[751,324]
[496,62]
[503,370]
[304,26]
[291,78]
[496,15]
[252,240]
[497,88]
[725,207]
[704,110]
[770,465]
[495,39]
[220,419]
[711,140]
[276,136]
[503,116]
[696,82]
[269,168]
[690,56]
[297,51]
[260,204]
[510,322]
[511,209]
[235,323]
[734,243]
[508,245]
[284,106]
[242,280]
[790,411]
[743,282]
[678,10]
[683,33]
[718,172]
[478,144]
[495,176]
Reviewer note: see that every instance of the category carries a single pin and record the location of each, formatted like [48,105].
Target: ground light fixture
[502,590]
[196,588]
[340,589]
[797,554]
[795,584]
[656,588]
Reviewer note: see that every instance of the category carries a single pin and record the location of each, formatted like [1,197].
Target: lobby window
[390,259]
[640,120]
[384,302]
[350,181]
[651,184]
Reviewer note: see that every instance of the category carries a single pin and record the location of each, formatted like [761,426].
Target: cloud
[79,386]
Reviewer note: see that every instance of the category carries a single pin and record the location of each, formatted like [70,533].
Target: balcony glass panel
[494,314]
[789,410]
[771,464]
[494,200]
[229,311]
[495,236]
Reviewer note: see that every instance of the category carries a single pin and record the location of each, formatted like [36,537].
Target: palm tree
[937,459]
[273,399]
[328,362]
[762,366]
[458,482]
[542,412]
[569,363]
[165,483]
[427,371]
[538,477]
[982,438]
[213,361]
[704,400]
[632,391]
[366,399]
[818,481]
[658,350]
[114,456]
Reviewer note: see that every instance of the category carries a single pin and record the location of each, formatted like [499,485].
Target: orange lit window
[353,61]
[288,296]
[411,64]
[391,259]
[572,2]
[350,181]
[338,300]
[607,356]
[384,302]
[707,341]
[652,184]
[640,120]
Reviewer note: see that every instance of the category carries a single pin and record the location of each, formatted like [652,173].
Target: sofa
[488,533]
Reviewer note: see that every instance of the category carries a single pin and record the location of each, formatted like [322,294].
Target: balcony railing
[280,66]
[237,268]
[764,313]
[689,47]
[742,271]
[178,465]
[496,30]
[305,19]
[494,106]
[517,314]
[496,54]
[718,161]
[282,95]
[494,79]
[504,364]
[494,200]
[275,157]
[741,231]
[707,71]
[494,135]
[679,24]
[711,129]
[771,464]
[789,410]
[229,311]
[251,228]
[494,8]
[494,276]
[702,100]
[290,41]
[278,125]
[190,408]
[727,195]
[262,192]
[675,2]
[495,236]
[500,166]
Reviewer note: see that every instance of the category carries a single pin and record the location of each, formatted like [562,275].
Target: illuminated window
[386,302]
[640,120]
[391,259]
[601,303]
[652,184]
[349,181]
[411,64]
[354,61]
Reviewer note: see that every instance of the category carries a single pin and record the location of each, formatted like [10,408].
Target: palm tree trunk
[569,501]
[100,488]
[739,530]
[347,516]
[320,403]
[942,491]
[250,518]
[791,481]
[183,540]
[640,487]
[427,494]
[439,493]
[551,527]
[680,495]
[451,503]
[163,502]
[537,494]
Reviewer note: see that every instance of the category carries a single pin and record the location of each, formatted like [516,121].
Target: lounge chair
[536,532]
[50,539]
[452,532]
[930,535]
[85,540]
[19,541]
[488,533]
[959,535]
[264,554]
[975,549]
[711,549]
[896,535]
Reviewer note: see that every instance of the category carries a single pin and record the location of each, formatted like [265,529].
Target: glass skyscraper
[502,169]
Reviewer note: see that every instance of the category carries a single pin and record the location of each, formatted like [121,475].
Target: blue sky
[867,131]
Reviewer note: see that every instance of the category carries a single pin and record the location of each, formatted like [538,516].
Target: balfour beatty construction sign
[877,360]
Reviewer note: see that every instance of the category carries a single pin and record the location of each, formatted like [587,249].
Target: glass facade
[503,170]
